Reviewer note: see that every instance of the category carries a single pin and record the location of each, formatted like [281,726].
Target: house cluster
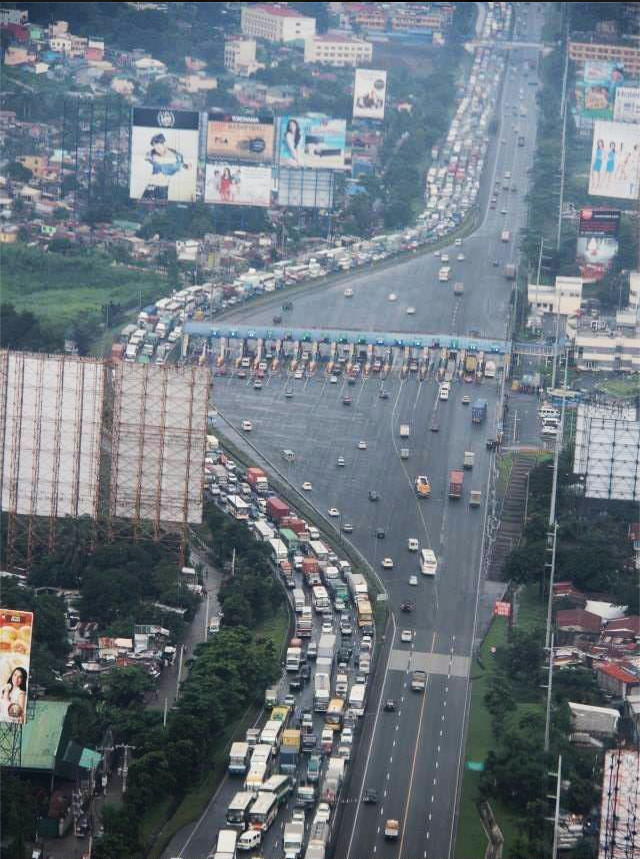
[427,20]
[36,47]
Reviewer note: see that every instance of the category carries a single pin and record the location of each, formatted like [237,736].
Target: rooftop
[618,672]
[280,11]
[578,617]
[41,735]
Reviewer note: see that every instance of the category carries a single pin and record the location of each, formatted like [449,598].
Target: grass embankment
[629,386]
[153,832]
[471,841]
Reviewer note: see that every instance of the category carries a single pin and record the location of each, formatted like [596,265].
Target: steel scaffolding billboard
[50,423]
[607,452]
[158,443]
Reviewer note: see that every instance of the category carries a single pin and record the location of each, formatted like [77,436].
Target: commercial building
[564,298]
[240,56]
[276,23]
[625,54]
[612,351]
[337,50]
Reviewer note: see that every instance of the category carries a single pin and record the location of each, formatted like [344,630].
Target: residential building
[198,83]
[623,629]
[617,680]
[574,622]
[8,234]
[148,68]
[613,351]
[620,804]
[13,16]
[624,53]
[337,50]
[276,23]
[60,44]
[123,86]
[240,56]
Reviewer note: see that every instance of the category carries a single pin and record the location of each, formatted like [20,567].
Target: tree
[18,172]
[498,699]
[124,687]
[159,92]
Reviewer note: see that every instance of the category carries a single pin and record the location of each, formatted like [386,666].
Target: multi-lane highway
[413,757]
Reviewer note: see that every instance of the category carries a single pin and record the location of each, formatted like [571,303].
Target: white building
[276,23]
[564,297]
[240,56]
[148,68]
[337,50]
[611,351]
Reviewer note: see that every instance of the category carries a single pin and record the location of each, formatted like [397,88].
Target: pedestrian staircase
[512,514]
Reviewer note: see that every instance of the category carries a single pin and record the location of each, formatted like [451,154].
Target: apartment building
[240,56]
[337,50]
[276,23]
[564,297]
[624,53]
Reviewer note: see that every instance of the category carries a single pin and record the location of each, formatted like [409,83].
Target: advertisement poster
[16,628]
[314,141]
[237,184]
[627,106]
[596,93]
[164,155]
[615,160]
[369,94]
[597,241]
[240,138]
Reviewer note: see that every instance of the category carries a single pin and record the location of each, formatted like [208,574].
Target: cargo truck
[510,271]
[327,646]
[257,479]
[290,751]
[456,479]
[332,780]
[405,430]
[318,840]
[293,839]
[470,367]
[468,458]
[321,691]
[276,509]
[478,411]
[490,370]
[294,655]
[304,623]
[458,288]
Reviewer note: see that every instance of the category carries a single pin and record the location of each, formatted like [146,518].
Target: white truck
[294,656]
[490,370]
[505,236]
[444,274]
[357,697]
[321,691]
[293,839]
[333,780]
[405,430]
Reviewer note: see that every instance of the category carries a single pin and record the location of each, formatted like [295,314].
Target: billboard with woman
[237,184]
[615,160]
[314,141]
[16,628]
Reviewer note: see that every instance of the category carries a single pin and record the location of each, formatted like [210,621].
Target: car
[298,374]
[496,263]
[348,293]
[257,385]
[406,636]
[307,486]
[346,628]
[290,700]
[323,812]
[295,684]
[370,796]
[413,580]
[373,495]
[380,533]
[327,626]
[436,254]
[298,816]
[347,528]
[346,737]
[305,673]
[241,374]
[366,643]
[312,650]
[413,544]
[389,705]
[346,400]
[362,445]
[340,461]
[392,296]
[220,371]
[384,395]
[444,258]
[492,205]
[407,607]
[410,311]
[247,426]
[503,211]
[333,512]
[333,380]
[435,426]
[461,257]
[387,563]
[466,400]
[277,320]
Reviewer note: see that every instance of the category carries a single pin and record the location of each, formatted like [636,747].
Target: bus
[334,714]
[270,734]
[280,785]
[428,562]
[263,811]
[238,810]
[320,598]
[238,508]
[365,614]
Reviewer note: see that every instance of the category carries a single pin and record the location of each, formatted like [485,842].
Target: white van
[249,840]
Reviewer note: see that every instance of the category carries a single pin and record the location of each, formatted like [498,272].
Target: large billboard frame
[240,137]
[615,160]
[369,94]
[164,155]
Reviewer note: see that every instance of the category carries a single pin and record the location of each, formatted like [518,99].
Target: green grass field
[629,386]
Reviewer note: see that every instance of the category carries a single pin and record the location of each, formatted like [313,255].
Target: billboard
[369,94]
[312,189]
[596,92]
[16,628]
[627,104]
[164,155]
[314,141]
[237,184]
[615,160]
[240,138]
[597,241]
[607,442]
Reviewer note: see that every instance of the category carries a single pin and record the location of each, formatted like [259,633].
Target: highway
[414,756]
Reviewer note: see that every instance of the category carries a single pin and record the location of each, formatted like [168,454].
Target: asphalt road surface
[412,757]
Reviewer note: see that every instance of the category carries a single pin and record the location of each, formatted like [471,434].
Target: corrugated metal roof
[41,735]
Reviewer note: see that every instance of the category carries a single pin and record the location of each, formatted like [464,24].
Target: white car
[406,636]
[458,242]
[393,296]
[413,580]
[387,563]
[323,812]
[366,643]
[436,254]
[461,257]
[298,374]
[346,737]
[444,258]
[333,380]
[348,293]
[410,311]
[333,511]
[327,627]
[412,544]
[247,426]
[307,486]
[362,445]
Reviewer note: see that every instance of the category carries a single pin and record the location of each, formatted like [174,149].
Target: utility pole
[563,119]
[556,815]
[125,765]
[549,687]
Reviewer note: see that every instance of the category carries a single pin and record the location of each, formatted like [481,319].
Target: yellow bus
[334,714]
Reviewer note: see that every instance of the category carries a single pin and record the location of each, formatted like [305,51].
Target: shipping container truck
[478,411]
[276,509]
[257,479]
[299,600]
[290,751]
[304,623]
[321,691]
[456,479]
[327,646]
[293,839]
